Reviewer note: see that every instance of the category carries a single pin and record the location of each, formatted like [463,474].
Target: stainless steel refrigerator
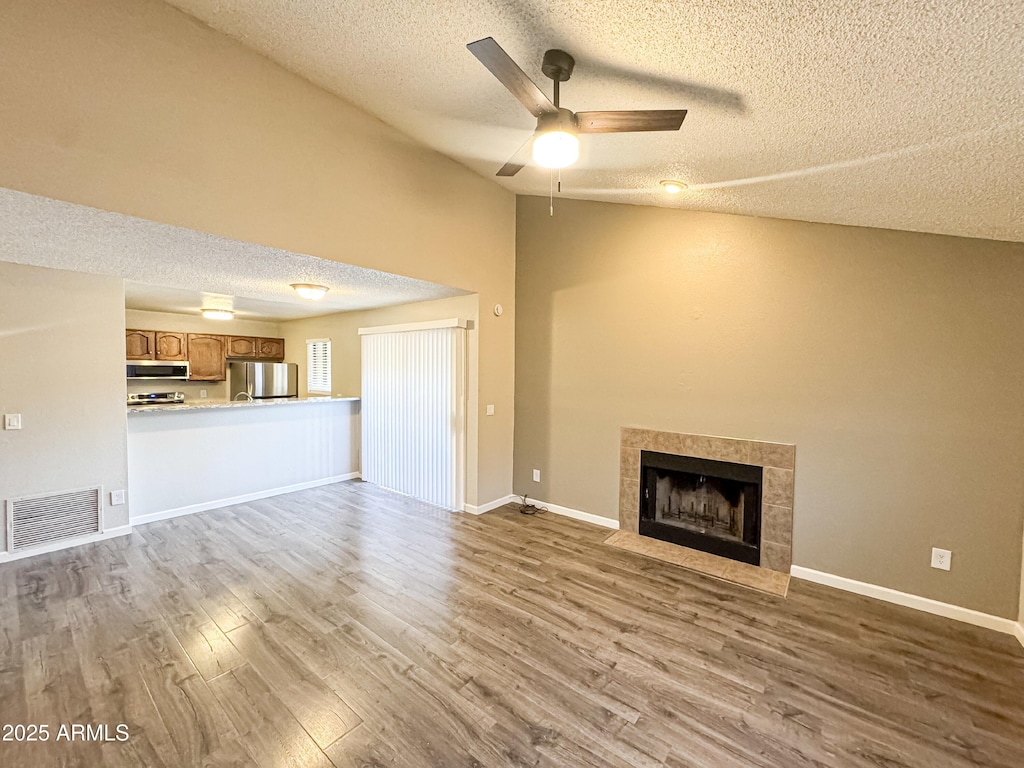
[262,381]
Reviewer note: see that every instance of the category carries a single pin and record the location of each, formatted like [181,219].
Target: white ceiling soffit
[171,269]
[903,115]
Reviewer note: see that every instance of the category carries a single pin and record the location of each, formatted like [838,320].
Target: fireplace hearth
[713,506]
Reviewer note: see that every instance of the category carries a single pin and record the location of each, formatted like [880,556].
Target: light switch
[12,421]
[490,410]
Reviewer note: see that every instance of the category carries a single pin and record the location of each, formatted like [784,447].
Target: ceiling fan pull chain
[559,181]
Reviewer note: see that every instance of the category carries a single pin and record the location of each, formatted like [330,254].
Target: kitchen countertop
[196,405]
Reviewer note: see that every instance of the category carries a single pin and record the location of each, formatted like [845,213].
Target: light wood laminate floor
[350,626]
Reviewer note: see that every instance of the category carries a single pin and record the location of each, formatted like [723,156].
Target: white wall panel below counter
[184,461]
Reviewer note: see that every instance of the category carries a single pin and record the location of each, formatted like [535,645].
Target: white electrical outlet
[12,421]
[116,498]
[490,410]
[202,393]
[536,475]
[941,558]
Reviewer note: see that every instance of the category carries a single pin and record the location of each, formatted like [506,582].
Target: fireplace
[714,506]
[776,463]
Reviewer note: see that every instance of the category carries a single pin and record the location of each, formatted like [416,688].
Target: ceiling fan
[554,142]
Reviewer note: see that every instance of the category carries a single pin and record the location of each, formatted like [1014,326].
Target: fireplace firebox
[714,506]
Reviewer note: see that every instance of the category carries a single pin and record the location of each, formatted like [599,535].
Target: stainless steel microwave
[157,369]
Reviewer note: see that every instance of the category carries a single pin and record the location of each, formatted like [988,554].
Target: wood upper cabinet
[270,349]
[171,345]
[241,346]
[255,348]
[140,345]
[206,353]
[206,357]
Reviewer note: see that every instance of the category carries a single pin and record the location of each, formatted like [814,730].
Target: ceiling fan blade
[500,64]
[629,121]
[517,162]
[510,169]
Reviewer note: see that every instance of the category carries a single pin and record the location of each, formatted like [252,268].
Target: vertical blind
[414,412]
[318,365]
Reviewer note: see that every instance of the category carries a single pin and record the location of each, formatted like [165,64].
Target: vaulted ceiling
[903,114]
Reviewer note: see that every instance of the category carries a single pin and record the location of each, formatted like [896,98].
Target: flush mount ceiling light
[672,186]
[309,290]
[218,314]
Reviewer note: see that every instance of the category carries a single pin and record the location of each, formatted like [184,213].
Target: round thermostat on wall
[498,309]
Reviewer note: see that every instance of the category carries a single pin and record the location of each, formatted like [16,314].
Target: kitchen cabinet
[171,345]
[241,346]
[206,357]
[140,345]
[270,349]
[206,353]
[255,348]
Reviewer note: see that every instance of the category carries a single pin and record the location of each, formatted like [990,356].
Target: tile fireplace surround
[778,461]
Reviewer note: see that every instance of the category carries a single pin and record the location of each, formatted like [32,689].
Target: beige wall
[132,106]
[485,482]
[891,359]
[62,358]
[176,321]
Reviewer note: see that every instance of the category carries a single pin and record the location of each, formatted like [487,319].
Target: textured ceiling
[903,114]
[171,269]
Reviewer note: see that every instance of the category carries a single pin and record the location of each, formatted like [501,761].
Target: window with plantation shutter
[318,366]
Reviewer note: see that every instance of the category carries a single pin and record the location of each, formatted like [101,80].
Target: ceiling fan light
[556,149]
[218,314]
[309,290]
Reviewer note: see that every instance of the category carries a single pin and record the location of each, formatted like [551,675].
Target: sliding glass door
[414,410]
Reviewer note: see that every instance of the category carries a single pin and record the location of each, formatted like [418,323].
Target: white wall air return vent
[34,521]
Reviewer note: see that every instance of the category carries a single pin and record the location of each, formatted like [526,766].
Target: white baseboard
[480,509]
[576,514]
[56,546]
[966,615]
[1018,632]
[166,514]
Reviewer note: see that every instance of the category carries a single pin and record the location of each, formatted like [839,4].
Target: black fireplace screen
[710,505]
